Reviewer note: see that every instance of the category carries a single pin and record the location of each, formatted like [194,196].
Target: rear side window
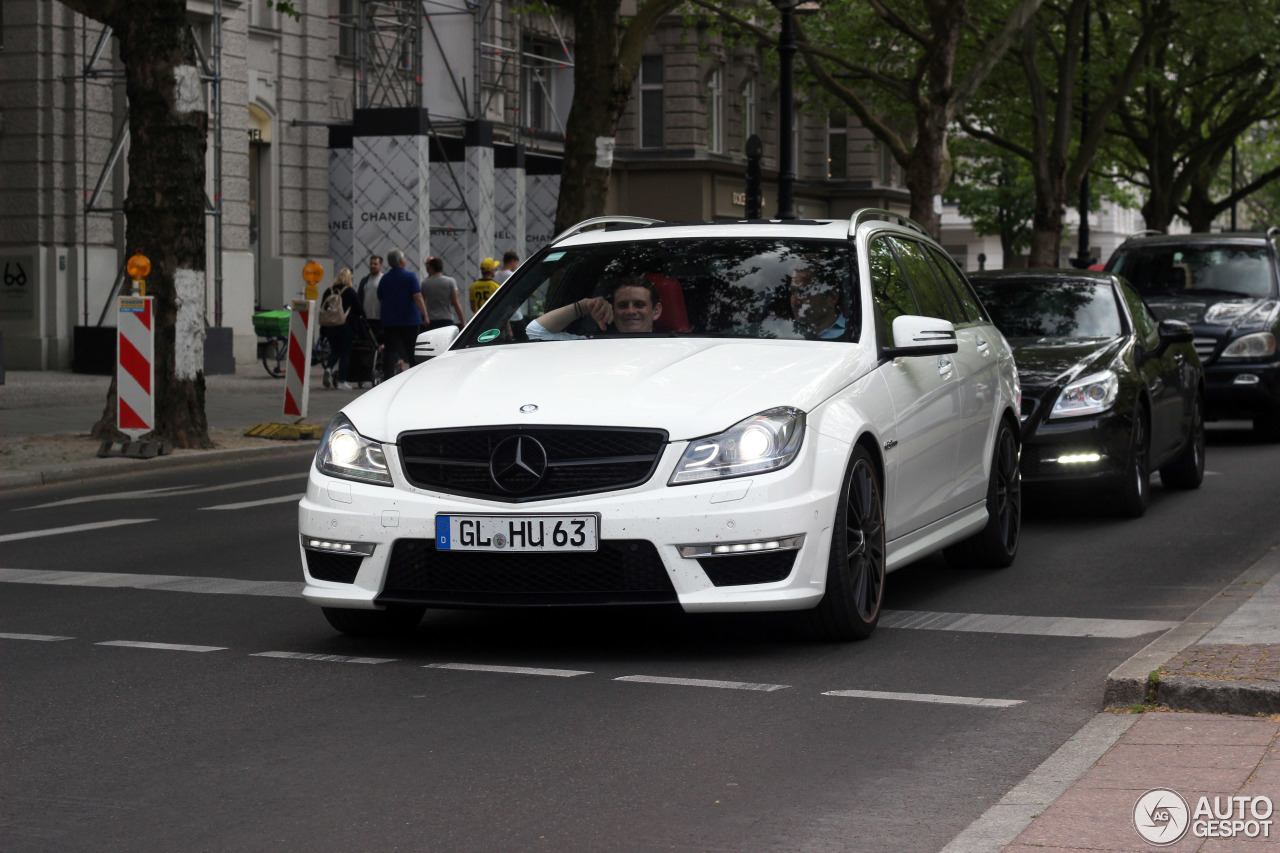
[933,302]
[889,288]
[961,293]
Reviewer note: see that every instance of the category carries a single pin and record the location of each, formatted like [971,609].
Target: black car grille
[1028,408]
[579,460]
[1205,348]
[327,566]
[623,571]
[1029,462]
[740,569]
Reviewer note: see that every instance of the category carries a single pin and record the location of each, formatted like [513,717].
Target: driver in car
[816,306]
[629,309]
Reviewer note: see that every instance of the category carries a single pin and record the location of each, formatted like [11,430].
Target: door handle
[983,346]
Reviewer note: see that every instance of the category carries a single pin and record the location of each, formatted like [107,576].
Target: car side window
[889,288]
[925,285]
[958,287]
[1145,325]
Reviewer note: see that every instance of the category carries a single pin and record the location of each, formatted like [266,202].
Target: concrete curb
[127,467]
[1218,696]
[1128,683]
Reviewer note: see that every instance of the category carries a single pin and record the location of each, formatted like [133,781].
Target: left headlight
[1089,395]
[1256,345]
[764,442]
[347,454]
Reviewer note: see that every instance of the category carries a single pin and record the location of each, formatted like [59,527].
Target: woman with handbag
[341,318]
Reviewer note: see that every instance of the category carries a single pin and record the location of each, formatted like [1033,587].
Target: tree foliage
[994,189]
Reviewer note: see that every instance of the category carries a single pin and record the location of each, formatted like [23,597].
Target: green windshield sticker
[555,256]
[485,337]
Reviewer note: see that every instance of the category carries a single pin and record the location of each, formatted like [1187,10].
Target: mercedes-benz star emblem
[528,408]
[518,464]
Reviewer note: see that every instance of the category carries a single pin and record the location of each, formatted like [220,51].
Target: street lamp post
[786,109]
[1083,258]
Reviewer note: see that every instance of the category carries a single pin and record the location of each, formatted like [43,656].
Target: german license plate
[517,533]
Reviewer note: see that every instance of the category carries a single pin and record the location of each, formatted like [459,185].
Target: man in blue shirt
[816,306]
[403,312]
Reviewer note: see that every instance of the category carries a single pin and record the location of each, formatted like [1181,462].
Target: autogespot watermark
[1162,817]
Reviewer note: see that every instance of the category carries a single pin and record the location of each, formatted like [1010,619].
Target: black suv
[1227,286]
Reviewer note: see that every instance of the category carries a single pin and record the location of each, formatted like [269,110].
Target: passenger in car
[816,306]
[630,308]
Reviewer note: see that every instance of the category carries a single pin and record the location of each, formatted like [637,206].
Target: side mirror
[1176,332]
[434,342]
[915,335]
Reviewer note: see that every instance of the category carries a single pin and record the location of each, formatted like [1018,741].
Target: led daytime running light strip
[314,543]
[731,549]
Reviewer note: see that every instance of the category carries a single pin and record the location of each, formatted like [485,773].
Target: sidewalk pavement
[1197,711]
[45,418]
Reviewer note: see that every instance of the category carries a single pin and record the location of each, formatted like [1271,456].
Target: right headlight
[764,442]
[1089,395]
[1257,345]
[345,453]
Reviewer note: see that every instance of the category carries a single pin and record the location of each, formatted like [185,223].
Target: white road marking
[165,583]
[926,697]
[263,502]
[516,670]
[45,638]
[170,647]
[702,682]
[1044,626]
[168,491]
[331,658]
[75,528]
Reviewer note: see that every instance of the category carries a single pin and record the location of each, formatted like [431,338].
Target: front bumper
[799,499]
[1241,390]
[1064,450]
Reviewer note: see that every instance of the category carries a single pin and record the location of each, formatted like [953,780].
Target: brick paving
[1259,662]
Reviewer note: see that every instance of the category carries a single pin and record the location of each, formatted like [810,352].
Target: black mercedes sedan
[1108,391]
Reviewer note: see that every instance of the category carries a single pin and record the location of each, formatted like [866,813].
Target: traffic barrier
[297,386]
[135,370]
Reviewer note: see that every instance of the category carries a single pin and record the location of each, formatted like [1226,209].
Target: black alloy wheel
[393,621]
[1186,471]
[996,545]
[850,607]
[1133,490]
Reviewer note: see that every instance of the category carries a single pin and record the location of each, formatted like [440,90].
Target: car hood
[688,386]
[1045,362]
[1207,309]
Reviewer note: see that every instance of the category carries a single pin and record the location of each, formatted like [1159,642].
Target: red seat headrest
[674,316]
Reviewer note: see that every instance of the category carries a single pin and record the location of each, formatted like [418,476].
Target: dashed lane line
[74,528]
[1041,626]
[163,583]
[168,647]
[703,682]
[43,638]
[926,697]
[514,670]
[263,502]
[330,658]
[170,491]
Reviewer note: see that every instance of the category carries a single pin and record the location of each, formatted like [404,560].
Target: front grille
[740,569]
[1205,348]
[580,460]
[623,571]
[339,568]
[1028,408]
[1029,462]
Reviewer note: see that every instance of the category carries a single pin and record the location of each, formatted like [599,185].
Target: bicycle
[274,326]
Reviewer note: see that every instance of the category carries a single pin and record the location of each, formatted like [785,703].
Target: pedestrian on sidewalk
[485,286]
[510,260]
[403,312]
[441,295]
[369,295]
[341,321]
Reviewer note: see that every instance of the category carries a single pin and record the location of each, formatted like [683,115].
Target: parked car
[1108,391]
[1226,286]
[724,416]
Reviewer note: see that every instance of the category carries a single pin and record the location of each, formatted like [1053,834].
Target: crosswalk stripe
[330,658]
[263,502]
[168,647]
[74,528]
[926,697]
[1043,626]
[46,638]
[515,670]
[703,682]
[165,583]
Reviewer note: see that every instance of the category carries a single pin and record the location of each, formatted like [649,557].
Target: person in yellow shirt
[485,286]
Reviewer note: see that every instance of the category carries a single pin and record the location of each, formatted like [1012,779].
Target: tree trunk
[165,207]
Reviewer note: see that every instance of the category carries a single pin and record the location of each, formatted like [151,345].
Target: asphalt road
[249,724]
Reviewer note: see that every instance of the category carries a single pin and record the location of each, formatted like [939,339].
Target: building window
[262,15]
[651,102]
[837,146]
[748,110]
[548,87]
[348,28]
[715,113]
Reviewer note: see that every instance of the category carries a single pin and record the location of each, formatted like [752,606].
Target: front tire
[394,621]
[1187,470]
[850,607]
[996,545]
[1132,492]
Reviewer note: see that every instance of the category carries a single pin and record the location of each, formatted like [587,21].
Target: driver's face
[810,301]
[633,310]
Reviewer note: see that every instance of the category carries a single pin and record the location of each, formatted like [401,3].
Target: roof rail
[1150,232]
[603,220]
[867,213]
[1273,231]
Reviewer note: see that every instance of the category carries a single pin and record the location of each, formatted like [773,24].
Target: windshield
[1222,269]
[761,288]
[1056,309]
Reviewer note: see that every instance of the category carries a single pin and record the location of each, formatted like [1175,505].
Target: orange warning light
[139,267]
[312,272]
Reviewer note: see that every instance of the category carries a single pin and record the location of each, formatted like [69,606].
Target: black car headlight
[764,442]
[1089,395]
[1256,345]
[347,454]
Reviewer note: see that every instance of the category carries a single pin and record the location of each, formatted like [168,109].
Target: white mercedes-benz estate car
[735,416]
